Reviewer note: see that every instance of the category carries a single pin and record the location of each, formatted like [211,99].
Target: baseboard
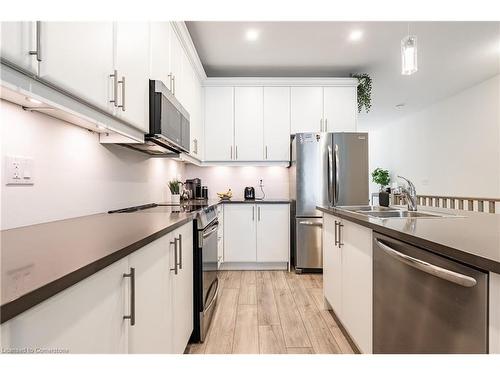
[253,266]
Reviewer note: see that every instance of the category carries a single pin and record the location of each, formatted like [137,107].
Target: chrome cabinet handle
[431,269]
[236,152]
[131,316]
[258,213]
[340,234]
[326,124]
[173,80]
[195,145]
[122,82]
[115,87]
[253,213]
[170,75]
[174,242]
[266,152]
[321,125]
[180,251]
[38,51]
[231,152]
[337,167]
[336,238]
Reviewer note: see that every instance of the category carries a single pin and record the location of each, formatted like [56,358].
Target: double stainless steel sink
[392,212]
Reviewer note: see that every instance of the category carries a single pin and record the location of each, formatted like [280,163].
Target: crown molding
[182,32]
[280,81]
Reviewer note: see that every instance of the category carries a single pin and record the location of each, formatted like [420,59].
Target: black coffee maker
[249,193]
[193,187]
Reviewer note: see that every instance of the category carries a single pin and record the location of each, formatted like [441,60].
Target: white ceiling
[451,56]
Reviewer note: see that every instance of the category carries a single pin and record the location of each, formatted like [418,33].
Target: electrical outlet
[18,171]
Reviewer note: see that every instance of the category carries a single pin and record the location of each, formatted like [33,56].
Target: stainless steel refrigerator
[327,169]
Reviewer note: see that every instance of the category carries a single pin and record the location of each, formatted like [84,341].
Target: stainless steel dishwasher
[426,303]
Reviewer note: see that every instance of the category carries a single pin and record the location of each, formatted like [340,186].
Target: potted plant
[175,187]
[381,177]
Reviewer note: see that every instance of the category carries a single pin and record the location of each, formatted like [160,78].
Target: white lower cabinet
[182,290]
[92,316]
[273,232]
[85,318]
[256,233]
[347,277]
[220,235]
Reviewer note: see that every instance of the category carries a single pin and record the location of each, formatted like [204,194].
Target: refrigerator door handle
[330,176]
[337,182]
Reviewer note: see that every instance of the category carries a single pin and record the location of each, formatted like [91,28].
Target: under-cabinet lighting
[355,35]
[252,35]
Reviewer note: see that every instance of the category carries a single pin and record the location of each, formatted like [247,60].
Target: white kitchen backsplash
[222,178]
[74,174]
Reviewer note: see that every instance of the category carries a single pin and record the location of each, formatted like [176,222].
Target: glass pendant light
[409,54]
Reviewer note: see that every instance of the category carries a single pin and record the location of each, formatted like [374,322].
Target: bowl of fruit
[225,196]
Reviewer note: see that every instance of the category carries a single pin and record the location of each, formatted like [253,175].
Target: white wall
[219,179]
[74,174]
[450,148]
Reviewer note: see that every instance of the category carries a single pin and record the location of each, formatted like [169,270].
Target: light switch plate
[19,171]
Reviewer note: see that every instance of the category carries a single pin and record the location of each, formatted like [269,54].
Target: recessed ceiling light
[251,35]
[400,105]
[34,101]
[355,35]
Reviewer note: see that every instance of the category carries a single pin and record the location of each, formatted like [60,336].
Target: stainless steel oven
[206,282]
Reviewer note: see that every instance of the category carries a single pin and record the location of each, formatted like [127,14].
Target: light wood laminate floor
[272,312]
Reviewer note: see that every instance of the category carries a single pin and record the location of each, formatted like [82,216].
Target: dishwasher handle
[429,268]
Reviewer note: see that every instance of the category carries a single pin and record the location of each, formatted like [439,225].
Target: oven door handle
[209,233]
[214,297]
[429,268]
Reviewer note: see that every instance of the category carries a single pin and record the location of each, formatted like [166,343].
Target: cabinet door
[177,57]
[248,123]
[152,331]
[277,123]
[182,292]
[17,40]
[273,232]
[218,123]
[306,109]
[85,318]
[239,233]
[332,266]
[160,52]
[357,263]
[132,62]
[340,109]
[78,56]
[220,234]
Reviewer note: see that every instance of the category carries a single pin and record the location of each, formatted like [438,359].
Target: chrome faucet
[410,194]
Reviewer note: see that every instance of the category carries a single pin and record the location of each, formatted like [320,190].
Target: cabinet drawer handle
[131,317]
[340,234]
[258,213]
[253,213]
[115,87]
[175,269]
[231,152]
[38,51]
[180,251]
[326,124]
[336,239]
[122,82]
[236,152]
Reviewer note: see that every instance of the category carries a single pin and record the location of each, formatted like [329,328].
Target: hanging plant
[364,91]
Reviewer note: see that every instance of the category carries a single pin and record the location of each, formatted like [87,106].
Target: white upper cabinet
[177,59]
[307,109]
[78,57]
[277,123]
[132,65]
[340,109]
[273,233]
[248,124]
[219,120]
[18,39]
[161,32]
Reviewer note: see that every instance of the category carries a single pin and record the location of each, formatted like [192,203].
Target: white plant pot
[176,198]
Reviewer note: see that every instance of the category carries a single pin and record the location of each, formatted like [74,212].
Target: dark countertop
[38,261]
[472,239]
[255,201]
